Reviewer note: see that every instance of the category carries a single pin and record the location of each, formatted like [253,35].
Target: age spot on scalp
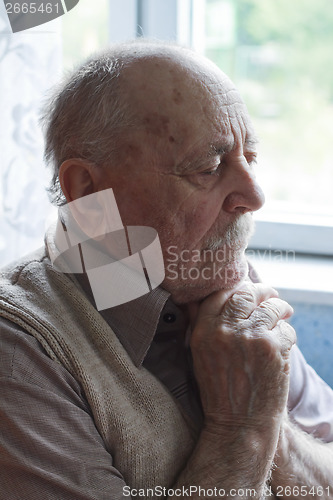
[177,96]
[171,138]
[133,151]
[156,124]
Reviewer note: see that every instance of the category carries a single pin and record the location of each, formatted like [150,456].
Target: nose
[245,194]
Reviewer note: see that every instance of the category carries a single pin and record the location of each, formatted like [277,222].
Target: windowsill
[309,238]
[298,278]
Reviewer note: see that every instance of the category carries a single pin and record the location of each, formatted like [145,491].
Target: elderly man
[184,391]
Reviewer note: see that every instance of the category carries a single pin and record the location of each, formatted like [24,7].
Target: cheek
[136,199]
[203,217]
[131,206]
[187,227]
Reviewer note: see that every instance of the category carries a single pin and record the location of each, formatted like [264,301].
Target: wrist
[229,428]
[283,459]
[246,444]
[282,456]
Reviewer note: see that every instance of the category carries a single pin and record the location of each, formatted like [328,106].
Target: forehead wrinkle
[251,139]
[226,83]
[227,103]
[242,131]
[229,96]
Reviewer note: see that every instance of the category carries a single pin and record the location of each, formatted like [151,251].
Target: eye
[212,171]
[251,158]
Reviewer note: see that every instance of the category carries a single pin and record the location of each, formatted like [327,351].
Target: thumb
[211,305]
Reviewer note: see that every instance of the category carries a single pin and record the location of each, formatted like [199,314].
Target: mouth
[235,237]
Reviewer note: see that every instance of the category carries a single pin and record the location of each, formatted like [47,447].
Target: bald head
[169,82]
[169,87]
[146,86]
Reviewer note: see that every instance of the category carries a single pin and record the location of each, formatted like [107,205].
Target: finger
[245,300]
[268,313]
[213,304]
[286,335]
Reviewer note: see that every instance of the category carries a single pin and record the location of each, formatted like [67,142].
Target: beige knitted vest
[140,422]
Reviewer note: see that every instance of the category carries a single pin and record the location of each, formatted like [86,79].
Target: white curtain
[30,63]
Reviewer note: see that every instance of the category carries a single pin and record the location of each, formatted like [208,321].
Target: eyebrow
[221,149]
[216,149]
[251,141]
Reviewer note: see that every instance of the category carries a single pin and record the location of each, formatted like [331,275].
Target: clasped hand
[240,345]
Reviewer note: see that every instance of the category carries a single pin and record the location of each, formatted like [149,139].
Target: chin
[195,290]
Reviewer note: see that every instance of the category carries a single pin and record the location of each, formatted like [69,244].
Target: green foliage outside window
[280,55]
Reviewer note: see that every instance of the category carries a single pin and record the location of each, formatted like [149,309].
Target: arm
[240,351]
[49,445]
[304,465]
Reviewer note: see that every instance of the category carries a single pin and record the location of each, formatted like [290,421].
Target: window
[85,29]
[279,56]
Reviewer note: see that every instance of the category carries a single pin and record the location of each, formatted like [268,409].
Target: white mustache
[236,235]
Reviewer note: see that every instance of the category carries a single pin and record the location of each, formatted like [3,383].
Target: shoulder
[25,362]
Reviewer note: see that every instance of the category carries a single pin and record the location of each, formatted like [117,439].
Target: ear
[77,178]
[95,215]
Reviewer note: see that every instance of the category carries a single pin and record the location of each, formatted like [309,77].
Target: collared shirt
[50,448]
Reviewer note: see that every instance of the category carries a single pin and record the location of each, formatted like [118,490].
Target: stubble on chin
[222,264]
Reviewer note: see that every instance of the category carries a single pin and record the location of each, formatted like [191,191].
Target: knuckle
[286,333]
[263,317]
[247,294]
[269,309]
[259,324]
[241,303]
[268,345]
[269,350]
[272,309]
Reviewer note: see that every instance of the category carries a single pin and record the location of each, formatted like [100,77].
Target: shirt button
[169,318]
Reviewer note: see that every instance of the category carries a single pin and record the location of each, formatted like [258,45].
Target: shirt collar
[135,323]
